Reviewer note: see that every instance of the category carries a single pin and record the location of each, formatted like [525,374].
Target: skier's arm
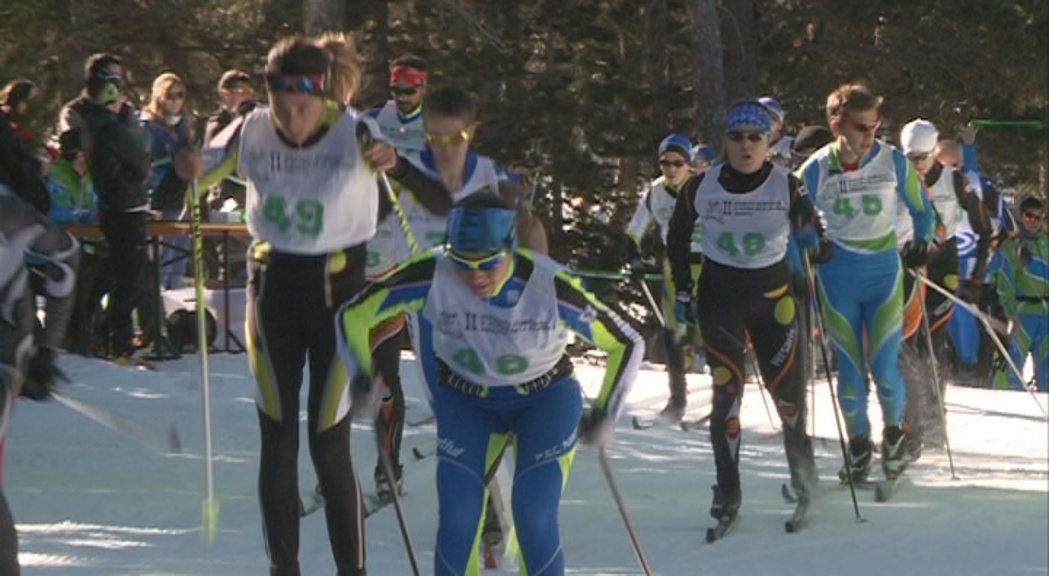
[405,289]
[979,221]
[679,236]
[641,220]
[909,190]
[584,314]
[430,193]
[40,237]
[1004,279]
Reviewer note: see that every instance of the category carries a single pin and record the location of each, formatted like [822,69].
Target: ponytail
[344,67]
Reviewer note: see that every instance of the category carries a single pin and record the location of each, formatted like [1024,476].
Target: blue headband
[749,113]
[480,229]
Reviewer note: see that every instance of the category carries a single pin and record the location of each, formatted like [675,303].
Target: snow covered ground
[91,502]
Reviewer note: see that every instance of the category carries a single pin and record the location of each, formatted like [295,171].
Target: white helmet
[919,136]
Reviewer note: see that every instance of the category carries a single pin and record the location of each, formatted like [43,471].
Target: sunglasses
[301,84]
[485,263]
[1032,216]
[669,163]
[404,90]
[919,157]
[737,136]
[241,91]
[176,95]
[442,140]
[860,127]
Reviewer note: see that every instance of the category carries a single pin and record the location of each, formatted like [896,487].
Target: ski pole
[365,138]
[652,302]
[151,438]
[818,308]
[210,506]
[936,384]
[987,325]
[606,469]
[387,469]
[987,123]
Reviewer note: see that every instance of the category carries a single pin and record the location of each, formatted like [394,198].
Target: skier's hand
[915,254]
[42,375]
[822,252]
[595,428]
[380,156]
[685,309]
[188,164]
[971,291]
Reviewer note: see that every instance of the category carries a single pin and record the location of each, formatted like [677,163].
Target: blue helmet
[481,223]
[677,143]
[774,107]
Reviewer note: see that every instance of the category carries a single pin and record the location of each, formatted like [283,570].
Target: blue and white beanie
[748,113]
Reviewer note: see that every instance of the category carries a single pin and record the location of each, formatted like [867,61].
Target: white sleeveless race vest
[943,199]
[657,205]
[747,230]
[495,346]
[406,136]
[859,205]
[429,229]
[310,200]
[389,245]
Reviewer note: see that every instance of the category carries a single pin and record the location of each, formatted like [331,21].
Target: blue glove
[685,309]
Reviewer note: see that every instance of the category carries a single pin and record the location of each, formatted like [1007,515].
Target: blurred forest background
[586,89]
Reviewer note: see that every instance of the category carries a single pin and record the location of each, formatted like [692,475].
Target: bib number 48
[752,245]
[505,365]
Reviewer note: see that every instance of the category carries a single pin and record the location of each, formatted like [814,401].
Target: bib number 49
[307,215]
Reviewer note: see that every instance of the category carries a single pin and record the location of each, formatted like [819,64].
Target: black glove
[823,251]
[594,428]
[42,376]
[971,291]
[635,264]
[915,254]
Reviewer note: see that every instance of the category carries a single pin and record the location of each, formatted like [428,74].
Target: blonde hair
[345,65]
[161,85]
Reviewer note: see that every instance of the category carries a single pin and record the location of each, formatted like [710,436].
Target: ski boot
[674,410]
[382,486]
[894,452]
[725,506]
[859,460]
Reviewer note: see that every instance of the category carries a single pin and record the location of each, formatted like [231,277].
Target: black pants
[292,302]
[388,338]
[125,233]
[733,304]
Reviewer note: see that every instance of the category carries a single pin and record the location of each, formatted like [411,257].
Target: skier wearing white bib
[747,207]
[493,323]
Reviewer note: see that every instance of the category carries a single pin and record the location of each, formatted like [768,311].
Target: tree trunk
[708,73]
[741,45]
[323,15]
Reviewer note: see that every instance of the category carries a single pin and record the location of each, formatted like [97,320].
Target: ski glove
[42,376]
[915,254]
[822,252]
[685,309]
[595,428]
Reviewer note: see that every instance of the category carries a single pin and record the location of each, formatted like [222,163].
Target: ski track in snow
[89,501]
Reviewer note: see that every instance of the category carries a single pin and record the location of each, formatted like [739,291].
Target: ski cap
[748,113]
[704,153]
[773,106]
[678,143]
[481,223]
[919,136]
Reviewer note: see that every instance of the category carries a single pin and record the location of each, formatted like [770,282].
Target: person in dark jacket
[119,160]
[19,166]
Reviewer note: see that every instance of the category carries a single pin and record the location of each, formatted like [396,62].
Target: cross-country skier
[951,203]
[1023,290]
[747,207]
[493,323]
[856,183]
[656,207]
[27,368]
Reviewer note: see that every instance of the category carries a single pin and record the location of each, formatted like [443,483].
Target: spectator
[72,193]
[96,66]
[164,117]
[20,167]
[118,157]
